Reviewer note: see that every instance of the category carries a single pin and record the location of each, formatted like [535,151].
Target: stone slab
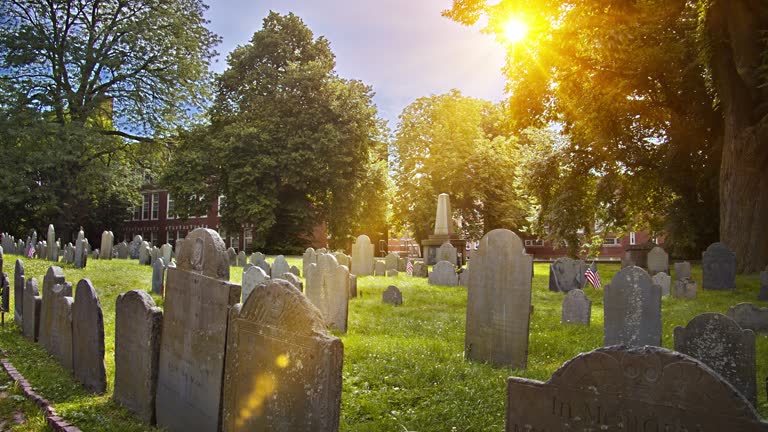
[718,267]
[632,309]
[88,338]
[362,256]
[33,303]
[750,316]
[664,281]
[18,291]
[566,274]
[444,273]
[392,295]
[577,308]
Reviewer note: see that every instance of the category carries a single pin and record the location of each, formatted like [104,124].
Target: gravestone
[420,269]
[198,297]
[258,256]
[123,251]
[444,273]
[499,301]
[749,316]
[54,286]
[107,242]
[59,326]
[154,254]
[577,308]
[664,281]
[402,265]
[362,256]
[464,276]
[629,389]
[390,261]
[177,247]
[658,261]
[343,259]
[81,254]
[327,287]
[252,277]
[566,274]
[135,247]
[632,309]
[321,251]
[242,259]
[685,289]
[166,252]
[18,292]
[283,370]
[280,266]
[295,270]
[380,268]
[5,287]
[719,342]
[682,270]
[392,295]
[264,265]
[232,256]
[718,267]
[763,285]
[294,280]
[95,254]
[446,252]
[138,324]
[352,286]
[145,254]
[392,273]
[88,339]
[309,257]
[33,302]
[158,276]
[53,253]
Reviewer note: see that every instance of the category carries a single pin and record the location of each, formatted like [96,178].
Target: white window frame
[632,238]
[534,243]
[146,211]
[614,241]
[170,213]
[154,207]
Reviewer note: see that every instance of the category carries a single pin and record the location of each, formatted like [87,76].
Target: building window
[155,205]
[235,243]
[170,213]
[611,241]
[248,239]
[632,237]
[136,213]
[218,207]
[145,207]
[537,242]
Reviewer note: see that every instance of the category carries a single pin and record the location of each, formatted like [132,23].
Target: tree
[450,143]
[87,87]
[625,84]
[290,145]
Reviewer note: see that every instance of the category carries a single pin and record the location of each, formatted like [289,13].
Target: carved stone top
[204,252]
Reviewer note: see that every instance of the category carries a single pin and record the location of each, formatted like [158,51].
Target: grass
[403,366]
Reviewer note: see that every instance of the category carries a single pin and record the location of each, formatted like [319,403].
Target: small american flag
[31,252]
[409,268]
[593,277]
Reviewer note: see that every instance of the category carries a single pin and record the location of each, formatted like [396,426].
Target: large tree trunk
[737,41]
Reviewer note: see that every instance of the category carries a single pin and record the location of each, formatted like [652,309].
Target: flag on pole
[593,277]
[409,267]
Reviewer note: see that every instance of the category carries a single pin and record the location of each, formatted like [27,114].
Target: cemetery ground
[403,365]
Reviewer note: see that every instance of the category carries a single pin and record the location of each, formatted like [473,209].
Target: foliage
[290,144]
[624,84]
[451,144]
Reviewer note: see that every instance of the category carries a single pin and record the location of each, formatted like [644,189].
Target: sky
[404,49]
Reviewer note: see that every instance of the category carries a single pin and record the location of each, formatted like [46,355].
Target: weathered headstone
[123,251]
[380,268]
[664,281]
[189,382]
[59,326]
[309,257]
[283,370]
[685,289]
[566,274]
[636,389]
[242,259]
[402,264]
[294,280]
[327,287]
[138,323]
[392,295]
[420,269]
[30,321]
[280,266]
[446,252]
[177,247]
[135,246]
[145,254]
[258,256]
[390,261]
[392,273]
[54,285]
[88,339]
[158,276]
[577,308]
[444,273]
[750,316]
[719,342]
[53,253]
[232,256]
[658,261]
[81,253]
[252,277]
[718,267]
[499,301]
[18,292]
[154,254]
[166,252]
[632,309]
[352,286]
[295,270]
[362,256]
[682,270]
[107,242]
[343,259]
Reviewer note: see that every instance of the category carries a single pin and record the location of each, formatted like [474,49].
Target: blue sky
[403,48]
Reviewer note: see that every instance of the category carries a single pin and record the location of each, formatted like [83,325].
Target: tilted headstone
[362,256]
[664,281]
[158,276]
[138,324]
[166,251]
[18,292]
[685,289]
[258,256]
[135,247]
[283,370]
[637,389]
[295,270]
[718,342]
[352,286]
[145,254]
[750,316]
[327,287]
[392,295]
[88,338]
[682,270]
[718,267]
[577,308]
[280,266]
[380,268]
[658,261]
[420,269]
[242,259]
[446,252]
[33,302]
[252,277]
[123,250]
[444,273]
[632,309]
[392,273]
[53,253]
[190,376]
[81,253]
[390,261]
[294,280]
[566,274]
[54,285]
[343,259]
[499,301]
[232,256]
[107,242]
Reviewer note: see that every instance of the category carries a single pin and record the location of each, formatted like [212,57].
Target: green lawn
[403,366]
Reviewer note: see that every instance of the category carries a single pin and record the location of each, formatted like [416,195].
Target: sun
[515,30]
